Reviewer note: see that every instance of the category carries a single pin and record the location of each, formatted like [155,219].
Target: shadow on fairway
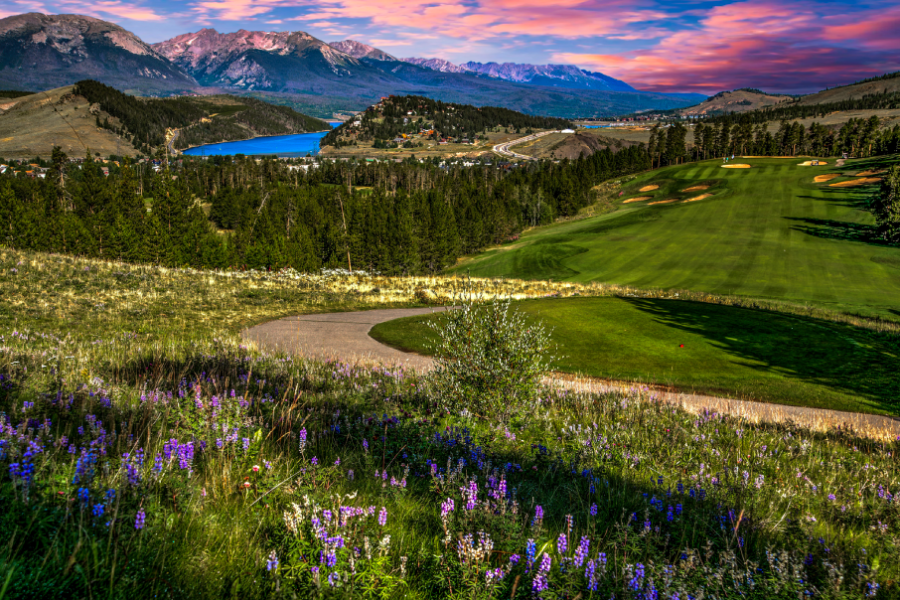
[841,357]
[838,230]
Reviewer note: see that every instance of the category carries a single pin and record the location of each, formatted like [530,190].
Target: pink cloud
[492,18]
[779,45]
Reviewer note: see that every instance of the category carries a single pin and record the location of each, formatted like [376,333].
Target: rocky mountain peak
[360,50]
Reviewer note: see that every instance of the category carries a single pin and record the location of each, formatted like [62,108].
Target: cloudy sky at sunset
[681,45]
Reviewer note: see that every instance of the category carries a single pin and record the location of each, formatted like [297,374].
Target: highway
[503,149]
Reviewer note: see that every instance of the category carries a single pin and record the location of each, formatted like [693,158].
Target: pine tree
[887,206]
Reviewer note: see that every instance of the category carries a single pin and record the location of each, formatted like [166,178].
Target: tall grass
[142,460]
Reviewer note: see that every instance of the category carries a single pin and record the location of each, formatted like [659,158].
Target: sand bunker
[824,178]
[696,188]
[869,173]
[638,199]
[700,197]
[649,188]
[735,166]
[768,157]
[669,201]
[809,163]
[856,182]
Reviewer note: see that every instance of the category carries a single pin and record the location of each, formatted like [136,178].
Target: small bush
[490,359]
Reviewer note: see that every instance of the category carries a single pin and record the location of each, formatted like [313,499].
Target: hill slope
[742,100]
[32,125]
[90,115]
[403,115]
[889,84]
[40,51]
[766,232]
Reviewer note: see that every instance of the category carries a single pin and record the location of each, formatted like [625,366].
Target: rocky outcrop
[359,50]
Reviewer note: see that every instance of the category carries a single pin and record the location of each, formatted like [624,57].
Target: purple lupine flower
[530,550]
[139,519]
[562,543]
[514,559]
[246,443]
[382,516]
[314,460]
[539,584]
[447,507]
[98,510]
[590,573]
[593,510]
[538,514]
[832,497]
[365,445]
[337,463]
[494,575]
[637,581]
[272,563]
[582,551]
[302,436]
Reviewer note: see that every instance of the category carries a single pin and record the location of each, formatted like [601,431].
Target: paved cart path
[345,336]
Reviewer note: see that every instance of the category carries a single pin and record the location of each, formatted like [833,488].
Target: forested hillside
[416,217]
[200,120]
[858,137]
[410,114]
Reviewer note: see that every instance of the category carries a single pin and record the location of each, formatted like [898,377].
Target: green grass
[767,232]
[731,351]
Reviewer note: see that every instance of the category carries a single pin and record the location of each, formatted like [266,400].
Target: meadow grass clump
[489,359]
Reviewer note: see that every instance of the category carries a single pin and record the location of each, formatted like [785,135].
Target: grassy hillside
[32,125]
[90,115]
[144,122]
[888,84]
[742,100]
[768,232]
[151,454]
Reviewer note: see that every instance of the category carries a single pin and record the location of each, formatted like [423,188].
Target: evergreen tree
[887,206]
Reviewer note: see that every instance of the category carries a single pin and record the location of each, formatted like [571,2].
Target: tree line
[408,218]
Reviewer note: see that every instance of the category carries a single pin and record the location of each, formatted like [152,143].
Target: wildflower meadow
[145,452]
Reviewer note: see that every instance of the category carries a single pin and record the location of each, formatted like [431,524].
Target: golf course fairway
[768,231]
[706,348]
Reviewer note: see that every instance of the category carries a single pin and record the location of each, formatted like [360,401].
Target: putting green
[707,348]
[767,232]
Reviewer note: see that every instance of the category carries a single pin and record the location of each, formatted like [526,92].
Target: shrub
[490,359]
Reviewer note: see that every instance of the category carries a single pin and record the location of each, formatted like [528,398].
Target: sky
[782,46]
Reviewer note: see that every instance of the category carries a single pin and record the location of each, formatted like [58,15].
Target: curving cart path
[345,336]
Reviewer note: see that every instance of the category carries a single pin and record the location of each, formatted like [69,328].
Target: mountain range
[39,52]
[564,76]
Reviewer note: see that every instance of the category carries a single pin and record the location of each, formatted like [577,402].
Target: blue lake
[299,144]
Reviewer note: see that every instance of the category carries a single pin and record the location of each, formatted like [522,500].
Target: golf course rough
[768,232]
